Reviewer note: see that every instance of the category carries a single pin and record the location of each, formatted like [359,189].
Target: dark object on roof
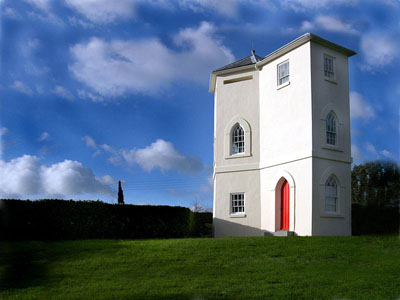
[249,60]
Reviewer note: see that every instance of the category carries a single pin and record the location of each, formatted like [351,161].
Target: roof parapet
[258,64]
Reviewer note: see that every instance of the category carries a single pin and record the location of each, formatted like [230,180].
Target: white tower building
[282,153]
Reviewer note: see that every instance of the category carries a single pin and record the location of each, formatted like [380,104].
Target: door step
[283,233]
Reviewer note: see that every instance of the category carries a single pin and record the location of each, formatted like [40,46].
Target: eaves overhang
[305,38]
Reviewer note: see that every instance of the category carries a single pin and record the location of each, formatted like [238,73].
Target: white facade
[285,140]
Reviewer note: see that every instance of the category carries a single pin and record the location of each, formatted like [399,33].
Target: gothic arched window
[331,134]
[237,139]
[331,195]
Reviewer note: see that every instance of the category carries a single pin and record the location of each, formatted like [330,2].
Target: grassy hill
[229,268]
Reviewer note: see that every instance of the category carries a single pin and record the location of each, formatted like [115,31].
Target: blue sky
[96,91]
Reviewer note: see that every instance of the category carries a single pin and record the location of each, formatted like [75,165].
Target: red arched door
[285,201]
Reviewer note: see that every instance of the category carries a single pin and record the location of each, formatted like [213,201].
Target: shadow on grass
[28,264]
[20,266]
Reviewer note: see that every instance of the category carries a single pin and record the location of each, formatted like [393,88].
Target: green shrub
[64,220]
[374,219]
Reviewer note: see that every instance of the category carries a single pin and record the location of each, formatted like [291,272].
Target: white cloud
[43,5]
[370,152]
[63,93]
[387,154]
[22,88]
[3,131]
[379,50]
[359,108]
[371,148]
[147,65]
[303,5]
[11,13]
[356,154]
[330,24]
[86,95]
[44,14]
[44,136]
[228,8]
[209,187]
[104,11]
[160,155]
[32,44]
[74,21]
[90,142]
[25,177]
[107,179]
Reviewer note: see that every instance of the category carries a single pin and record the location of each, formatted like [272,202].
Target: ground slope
[228,268]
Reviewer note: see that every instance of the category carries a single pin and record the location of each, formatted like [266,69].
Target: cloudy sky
[96,91]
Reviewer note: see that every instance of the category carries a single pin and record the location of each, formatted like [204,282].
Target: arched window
[331,195]
[237,139]
[331,129]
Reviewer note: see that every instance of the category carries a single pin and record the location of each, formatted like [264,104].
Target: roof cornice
[214,74]
[281,51]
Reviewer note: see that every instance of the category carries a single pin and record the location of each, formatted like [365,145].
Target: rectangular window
[237,203]
[283,73]
[329,67]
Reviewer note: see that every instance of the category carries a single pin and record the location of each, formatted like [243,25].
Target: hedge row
[374,219]
[63,220]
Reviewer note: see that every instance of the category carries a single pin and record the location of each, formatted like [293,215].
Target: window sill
[237,215]
[238,155]
[333,148]
[332,215]
[283,85]
[331,80]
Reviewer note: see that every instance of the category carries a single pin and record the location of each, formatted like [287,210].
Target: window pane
[283,73]
[331,129]
[237,203]
[331,195]
[237,139]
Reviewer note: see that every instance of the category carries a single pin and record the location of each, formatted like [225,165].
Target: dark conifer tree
[120,194]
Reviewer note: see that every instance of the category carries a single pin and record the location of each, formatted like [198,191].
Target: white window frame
[228,138]
[279,78]
[233,206]
[235,144]
[329,73]
[331,192]
[333,131]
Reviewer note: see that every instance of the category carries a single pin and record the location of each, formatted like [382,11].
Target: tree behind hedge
[120,194]
[376,183]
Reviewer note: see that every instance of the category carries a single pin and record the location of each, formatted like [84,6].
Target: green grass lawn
[228,268]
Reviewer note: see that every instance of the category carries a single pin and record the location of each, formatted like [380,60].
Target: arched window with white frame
[237,139]
[331,195]
[331,133]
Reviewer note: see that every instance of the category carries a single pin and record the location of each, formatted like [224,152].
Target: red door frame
[285,201]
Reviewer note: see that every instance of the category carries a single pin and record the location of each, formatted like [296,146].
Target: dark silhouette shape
[376,183]
[120,194]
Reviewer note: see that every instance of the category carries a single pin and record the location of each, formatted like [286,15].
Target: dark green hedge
[63,220]
[374,219]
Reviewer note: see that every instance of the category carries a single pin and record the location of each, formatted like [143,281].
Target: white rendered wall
[299,176]
[287,141]
[238,99]
[331,224]
[331,96]
[225,224]
[285,113]
[233,100]
[327,96]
